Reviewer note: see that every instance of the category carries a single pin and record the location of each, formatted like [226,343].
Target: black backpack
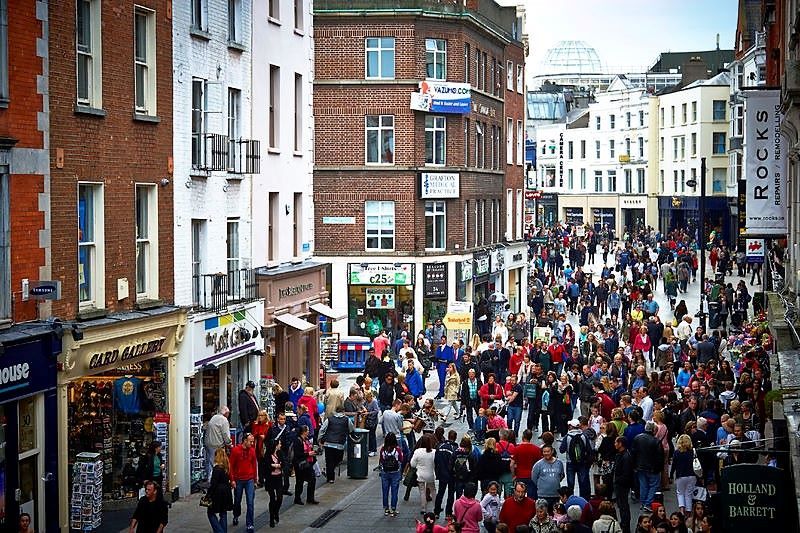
[461,469]
[579,451]
[389,461]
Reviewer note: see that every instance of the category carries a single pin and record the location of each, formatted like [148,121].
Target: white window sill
[273,150]
[275,21]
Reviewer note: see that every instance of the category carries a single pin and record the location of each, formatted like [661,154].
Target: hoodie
[491,507]
[468,512]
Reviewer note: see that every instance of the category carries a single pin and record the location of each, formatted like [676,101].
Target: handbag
[205,501]
[700,494]
[317,469]
[410,479]
[696,466]
[529,390]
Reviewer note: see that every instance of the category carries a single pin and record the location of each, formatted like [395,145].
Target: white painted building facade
[593,168]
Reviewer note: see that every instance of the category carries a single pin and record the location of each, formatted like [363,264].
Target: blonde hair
[476,341]
[309,391]
[221,459]
[369,395]
[658,416]
[263,412]
[490,444]
[684,443]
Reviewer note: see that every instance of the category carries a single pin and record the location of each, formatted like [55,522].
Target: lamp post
[701,239]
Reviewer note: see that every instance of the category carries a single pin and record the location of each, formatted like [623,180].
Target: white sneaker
[372,454]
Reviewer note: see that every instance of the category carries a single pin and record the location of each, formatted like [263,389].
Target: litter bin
[714,320]
[358,454]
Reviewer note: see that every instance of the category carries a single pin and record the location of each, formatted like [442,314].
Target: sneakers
[386,512]
[373,454]
[394,512]
[645,509]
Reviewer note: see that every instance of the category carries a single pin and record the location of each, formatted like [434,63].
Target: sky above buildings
[629,33]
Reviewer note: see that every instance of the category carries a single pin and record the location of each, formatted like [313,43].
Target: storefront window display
[113,413]
[374,308]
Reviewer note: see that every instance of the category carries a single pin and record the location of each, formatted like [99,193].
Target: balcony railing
[244,156]
[209,151]
[215,292]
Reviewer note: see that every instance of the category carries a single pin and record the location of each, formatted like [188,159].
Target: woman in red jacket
[489,392]
[642,341]
[517,358]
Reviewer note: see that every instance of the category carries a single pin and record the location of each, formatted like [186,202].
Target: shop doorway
[633,220]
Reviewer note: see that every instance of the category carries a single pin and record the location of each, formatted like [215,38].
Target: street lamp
[701,238]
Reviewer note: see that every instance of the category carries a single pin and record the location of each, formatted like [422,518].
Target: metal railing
[244,156]
[215,292]
[781,289]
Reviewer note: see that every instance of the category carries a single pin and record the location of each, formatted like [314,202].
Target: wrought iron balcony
[244,156]
[209,151]
[215,292]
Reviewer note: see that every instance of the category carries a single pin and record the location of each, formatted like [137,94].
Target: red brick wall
[114,150]
[339,111]
[515,110]
[26,255]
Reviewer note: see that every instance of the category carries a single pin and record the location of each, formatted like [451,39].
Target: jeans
[624,507]
[514,417]
[582,472]
[471,407]
[444,486]
[210,451]
[218,521]
[249,488]
[390,484]
[648,485]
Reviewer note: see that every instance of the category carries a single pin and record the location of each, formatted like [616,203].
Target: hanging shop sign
[481,264]
[438,185]
[381,274]
[380,298]
[220,338]
[434,280]
[442,97]
[752,498]
[754,250]
[497,260]
[765,164]
[27,368]
[466,270]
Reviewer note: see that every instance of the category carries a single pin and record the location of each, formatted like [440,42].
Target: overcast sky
[628,33]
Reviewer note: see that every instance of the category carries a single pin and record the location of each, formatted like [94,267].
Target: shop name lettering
[752,491]
[761,192]
[294,290]
[128,352]
[226,339]
[13,373]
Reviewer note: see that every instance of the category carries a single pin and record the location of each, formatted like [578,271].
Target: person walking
[452,387]
[151,514]
[243,475]
[423,460]
[151,466]
[248,408]
[467,510]
[218,435]
[648,457]
[685,479]
[443,463]
[390,460]
[578,449]
[470,400]
[547,474]
[219,490]
[304,459]
[273,483]
[284,432]
[443,357]
[333,437]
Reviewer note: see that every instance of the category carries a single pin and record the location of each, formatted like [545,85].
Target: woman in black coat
[490,465]
[304,459]
[219,490]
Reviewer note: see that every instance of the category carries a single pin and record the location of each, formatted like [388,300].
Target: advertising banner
[442,97]
[765,164]
[381,273]
[434,283]
[438,185]
[753,498]
[380,298]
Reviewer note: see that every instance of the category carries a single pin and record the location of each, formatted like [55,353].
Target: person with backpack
[464,467]
[579,452]
[443,467]
[390,460]
[506,450]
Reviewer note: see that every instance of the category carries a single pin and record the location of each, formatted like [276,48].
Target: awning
[295,321]
[327,311]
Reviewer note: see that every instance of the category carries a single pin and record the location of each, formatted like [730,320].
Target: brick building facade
[374,151]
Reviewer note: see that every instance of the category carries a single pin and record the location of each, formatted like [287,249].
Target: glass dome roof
[573,57]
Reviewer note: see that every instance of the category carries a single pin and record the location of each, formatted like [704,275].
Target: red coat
[514,363]
[642,342]
[483,392]
[313,410]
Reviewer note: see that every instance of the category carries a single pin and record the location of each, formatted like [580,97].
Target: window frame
[93,52]
[694,111]
[198,124]
[234,123]
[273,111]
[597,149]
[520,78]
[198,15]
[299,16]
[96,260]
[148,242]
[717,105]
[612,150]
[612,180]
[4,65]
[298,112]
[640,180]
[382,207]
[509,142]
[598,181]
[435,57]
[148,62]
[520,143]
[5,244]
[612,121]
[233,257]
[436,131]
[714,145]
[509,75]
[235,21]
[274,11]
[437,211]
[380,129]
[378,50]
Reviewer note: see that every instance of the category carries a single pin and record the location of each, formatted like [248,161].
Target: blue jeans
[648,485]
[249,489]
[218,521]
[390,482]
[514,417]
[582,472]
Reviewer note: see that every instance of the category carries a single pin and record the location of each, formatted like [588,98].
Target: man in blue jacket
[443,467]
[444,356]
[414,382]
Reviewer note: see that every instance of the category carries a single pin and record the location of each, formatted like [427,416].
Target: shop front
[480,276]
[28,444]
[604,218]
[434,291]
[573,216]
[633,212]
[295,297]
[116,393]
[219,354]
[516,266]
[683,212]
[464,280]
[497,265]
[380,297]
[547,210]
